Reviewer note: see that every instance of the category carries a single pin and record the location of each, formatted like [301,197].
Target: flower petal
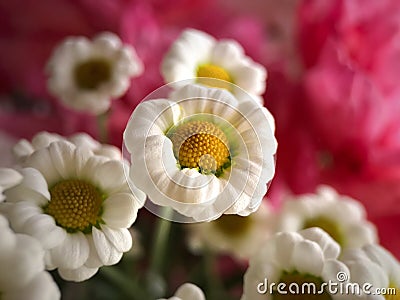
[42,287]
[307,258]
[80,274]
[72,253]
[120,238]
[120,210]
[107,253]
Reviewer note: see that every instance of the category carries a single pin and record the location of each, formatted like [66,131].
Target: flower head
[340,216]
[22,274]
[201,152]
[188,291]
[86,75]
[309,256]
[198,56]
[78,205]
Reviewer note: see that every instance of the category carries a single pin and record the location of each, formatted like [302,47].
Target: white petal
[41,160]
[120,210]
[80,274]
[42,287]
[151,117]
[226,54]
[107,253]
[33,188]
[190,291]
[9,178]
[93,260]
[62,156]
[22,149]
[72,253]
[121,239]
[110,184]
[330,248]
[24,264]
[308,258]
[285,245]
[44,228]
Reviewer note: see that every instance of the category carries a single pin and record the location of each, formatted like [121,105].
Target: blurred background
[333,70]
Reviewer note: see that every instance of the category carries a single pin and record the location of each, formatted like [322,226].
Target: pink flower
[349,124]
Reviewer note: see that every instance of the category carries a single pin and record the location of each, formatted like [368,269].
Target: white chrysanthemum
[8,178]
[86,75]
[341,216]
[201,152]
[233,234]
[22,274]
[372,264]
[308,256]
[187,291]
[78,205]
[196,55]
[25,148]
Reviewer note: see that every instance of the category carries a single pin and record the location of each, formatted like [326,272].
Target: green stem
[214,285]
[102,127]
[130,287]
[160,241]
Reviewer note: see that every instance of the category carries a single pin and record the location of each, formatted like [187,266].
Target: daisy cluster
[201,150]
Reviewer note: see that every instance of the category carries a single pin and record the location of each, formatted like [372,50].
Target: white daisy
[372,264]
[233,234]
[25,148]
[201,152]
[78,205]
[341,216]
[22,274]
[8,178]
[187,291]
[308,256]
[198,56]
[86,75]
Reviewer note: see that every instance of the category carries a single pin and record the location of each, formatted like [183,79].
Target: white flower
[22,274]
[201,152]
[78,205]
[24,148]
[233,234]
[187,291]
[341,216]
[308,256]
[8,178]
[372,264]
[86,75]
[196,55]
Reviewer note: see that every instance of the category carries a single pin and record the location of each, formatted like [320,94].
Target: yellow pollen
[392,293]
[92,73]
[75,205]
[328,226]
[302,281]
[211,71]
[233,225]
[200,144]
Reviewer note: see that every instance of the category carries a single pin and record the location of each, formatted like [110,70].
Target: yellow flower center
[328,226]
[392,293]
[89,75]
[202,145]
[210,72]
[301,287]
[233,225]
[76,205]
